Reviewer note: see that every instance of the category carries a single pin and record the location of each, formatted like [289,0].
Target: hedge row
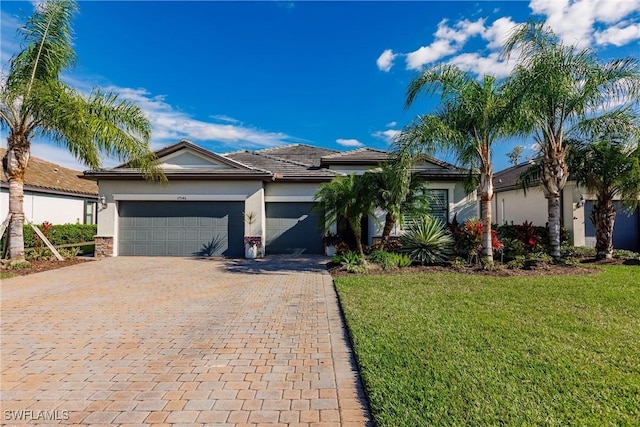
[60,234]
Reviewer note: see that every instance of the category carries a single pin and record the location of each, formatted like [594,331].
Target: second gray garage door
[181,228]
[292,228]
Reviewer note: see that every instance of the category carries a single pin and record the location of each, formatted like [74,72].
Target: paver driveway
[146,341]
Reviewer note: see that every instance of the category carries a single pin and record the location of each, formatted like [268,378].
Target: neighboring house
[208,195]
[512,206]
[52,193]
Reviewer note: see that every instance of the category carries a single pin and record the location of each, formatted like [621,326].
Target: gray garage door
[181,228]
[626,229]
[292,228]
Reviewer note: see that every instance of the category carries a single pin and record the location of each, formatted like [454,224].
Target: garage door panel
[292,228]
[159,222]
[159,235]
[181,228]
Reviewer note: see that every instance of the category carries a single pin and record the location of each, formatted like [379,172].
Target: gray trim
[44,190]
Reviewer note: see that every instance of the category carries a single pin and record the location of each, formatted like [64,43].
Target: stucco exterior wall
[251,192]
[290,192]
[514,207]
[38,207]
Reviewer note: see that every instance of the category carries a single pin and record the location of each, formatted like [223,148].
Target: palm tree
[389,186]
[607,163]
[345,197]
[395,191]
[34,101]
[472,115]
[559,87]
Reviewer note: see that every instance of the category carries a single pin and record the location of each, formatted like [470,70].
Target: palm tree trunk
[389,222]
[555,172]
[17,158]
[486,194]
[604,216]
[553,204]
[487,247]
[354,223]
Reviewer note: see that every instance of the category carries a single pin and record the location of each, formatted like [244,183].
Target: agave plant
[427,241]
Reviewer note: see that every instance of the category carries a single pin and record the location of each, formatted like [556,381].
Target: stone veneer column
[104,246]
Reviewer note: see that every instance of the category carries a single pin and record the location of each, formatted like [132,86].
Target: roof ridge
[293,144]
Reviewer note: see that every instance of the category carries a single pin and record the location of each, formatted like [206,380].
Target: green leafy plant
[389,260]
[624,254]
[427,241]
[69,253]
[351,261]
[39,253]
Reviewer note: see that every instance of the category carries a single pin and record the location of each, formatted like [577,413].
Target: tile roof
[280,167]
[357,156]
[507,179]
[301,153]
[51,177]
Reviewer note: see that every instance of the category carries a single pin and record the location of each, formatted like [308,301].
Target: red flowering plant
[469,239]
[253,241]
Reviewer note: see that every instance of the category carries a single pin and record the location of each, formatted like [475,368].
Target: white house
[512,206]
[208,195]
[52,193]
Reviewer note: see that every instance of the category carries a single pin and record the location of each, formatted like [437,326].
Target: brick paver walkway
[158,341]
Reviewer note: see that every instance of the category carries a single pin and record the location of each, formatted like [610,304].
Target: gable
[187,159]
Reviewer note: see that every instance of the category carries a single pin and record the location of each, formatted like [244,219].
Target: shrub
[578,252]
[389,260]
[70,253]
[427,241]
[459,264]
[517,263]
[468,239]
[61,234]
[531,237]
[624,254]
[351,261]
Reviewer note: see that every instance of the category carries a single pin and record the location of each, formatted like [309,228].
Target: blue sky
[249,75]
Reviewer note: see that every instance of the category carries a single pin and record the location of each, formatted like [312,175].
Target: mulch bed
[586,266]
[45,265]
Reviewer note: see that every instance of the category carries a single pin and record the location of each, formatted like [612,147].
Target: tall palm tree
[472,115]
[559,87]
[345,197]
[607,163]
[34,101]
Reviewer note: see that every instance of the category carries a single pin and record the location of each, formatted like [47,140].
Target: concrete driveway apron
[178,341]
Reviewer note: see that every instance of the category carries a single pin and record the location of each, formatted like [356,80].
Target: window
[90,212]
[438,206]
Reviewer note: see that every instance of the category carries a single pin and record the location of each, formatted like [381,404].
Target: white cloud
[575,21]
[385,60]
[448,40]
[392,124]
[349,142]
[170,125]
[225,118]
[498,33]
[387,135]
[618,36]
[480,65]
[578,22]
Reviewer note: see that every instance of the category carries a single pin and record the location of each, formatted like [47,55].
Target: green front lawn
[459,349]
